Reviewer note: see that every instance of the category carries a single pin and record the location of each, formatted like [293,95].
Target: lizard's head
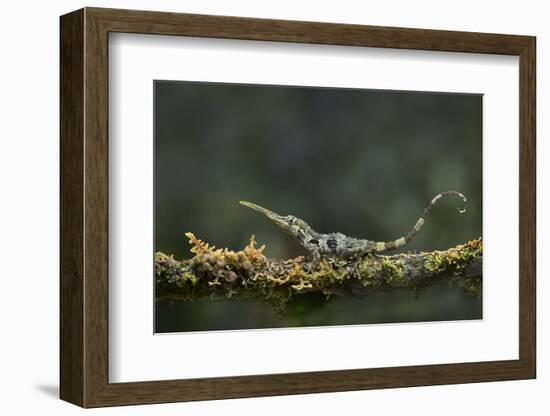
[289,223]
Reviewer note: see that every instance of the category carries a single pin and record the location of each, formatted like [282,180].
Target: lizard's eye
[291,219]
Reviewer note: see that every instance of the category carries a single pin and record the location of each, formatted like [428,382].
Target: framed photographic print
[255,207]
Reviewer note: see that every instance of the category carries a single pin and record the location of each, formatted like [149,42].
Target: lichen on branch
[248,273]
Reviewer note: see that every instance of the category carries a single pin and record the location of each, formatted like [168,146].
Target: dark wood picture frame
[84,207]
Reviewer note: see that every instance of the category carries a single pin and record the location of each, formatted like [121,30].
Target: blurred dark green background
[361,162]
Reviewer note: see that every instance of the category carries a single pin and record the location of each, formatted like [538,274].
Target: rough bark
[216,273]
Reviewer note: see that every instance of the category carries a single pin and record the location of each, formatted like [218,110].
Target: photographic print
[291,206]
[275,185]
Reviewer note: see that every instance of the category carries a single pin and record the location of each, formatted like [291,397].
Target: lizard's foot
[354,267]
[355,263]
[314,264]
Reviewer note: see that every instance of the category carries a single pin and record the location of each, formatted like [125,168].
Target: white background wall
[29,85]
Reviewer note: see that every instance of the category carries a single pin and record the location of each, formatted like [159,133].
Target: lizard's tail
[404,240]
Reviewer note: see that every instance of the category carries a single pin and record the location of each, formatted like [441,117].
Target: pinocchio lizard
[338,244]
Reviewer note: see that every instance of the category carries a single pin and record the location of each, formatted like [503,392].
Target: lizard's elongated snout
[279,220]
[289,224]
[270,214]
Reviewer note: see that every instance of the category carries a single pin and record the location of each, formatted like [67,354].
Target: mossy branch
[223,273]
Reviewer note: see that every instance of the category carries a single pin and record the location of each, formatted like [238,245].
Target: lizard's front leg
[355,261]
[316,259]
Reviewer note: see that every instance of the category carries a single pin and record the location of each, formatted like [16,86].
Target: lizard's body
[338,244]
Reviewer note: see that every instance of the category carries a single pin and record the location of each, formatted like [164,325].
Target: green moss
[392,270]
[453,260]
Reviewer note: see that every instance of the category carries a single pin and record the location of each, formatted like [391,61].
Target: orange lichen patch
[199,246]
[254,254]
[302,279]
[220,256]
[222,264]
[277,280]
